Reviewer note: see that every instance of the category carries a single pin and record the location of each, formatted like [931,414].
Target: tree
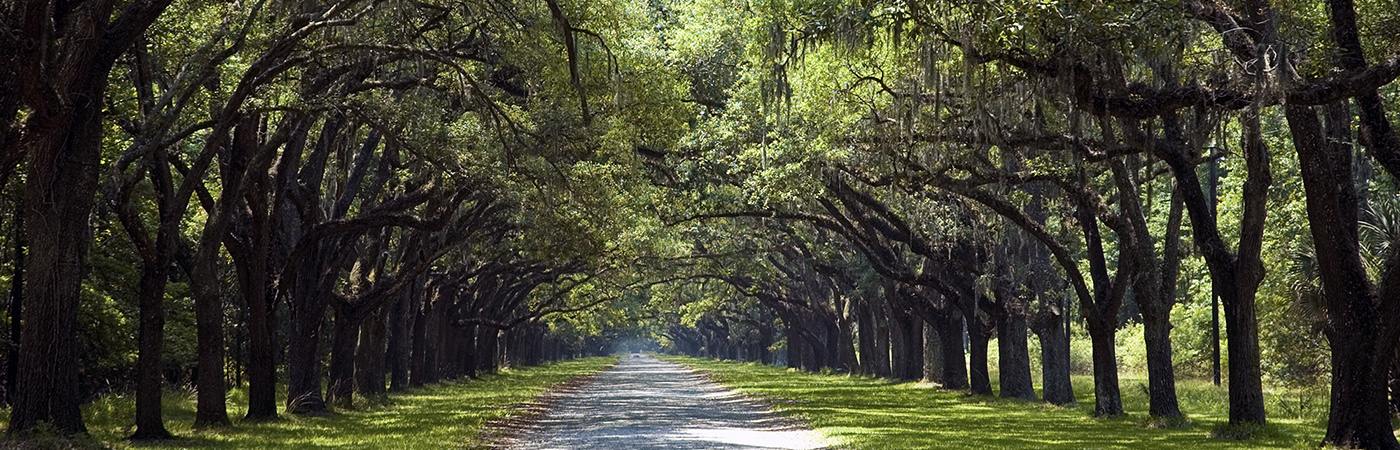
[61,137]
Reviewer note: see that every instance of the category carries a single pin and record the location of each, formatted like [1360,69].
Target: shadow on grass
[868,413]
[446,415]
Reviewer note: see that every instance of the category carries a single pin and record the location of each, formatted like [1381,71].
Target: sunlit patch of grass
[869,413]
[445,415]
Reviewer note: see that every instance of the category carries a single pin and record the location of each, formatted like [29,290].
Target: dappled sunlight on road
[795,440]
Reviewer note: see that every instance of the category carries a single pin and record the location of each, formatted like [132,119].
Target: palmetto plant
[1307,287]
[1379,228]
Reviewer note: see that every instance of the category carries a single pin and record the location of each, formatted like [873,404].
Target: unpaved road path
[644,403]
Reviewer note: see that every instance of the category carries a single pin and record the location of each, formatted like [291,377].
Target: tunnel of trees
[348,197]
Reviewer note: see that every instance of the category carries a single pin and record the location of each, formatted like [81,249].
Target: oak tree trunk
[418,368]
[880,358]
[401,336]
[865,338]
[1056,387]
[1361,345]
[1108,401]
[151,298]
[933,355]
[900,363]
[1013,358]
[486,349]
[370,353]
[950,340]
[304,351]
[16,306]
[254,276]
[978,372]
[344,337]
[58,194]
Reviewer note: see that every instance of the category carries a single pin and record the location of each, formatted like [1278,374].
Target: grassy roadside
[868,413]
[446,415]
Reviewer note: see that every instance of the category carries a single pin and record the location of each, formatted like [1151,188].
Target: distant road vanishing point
[644,403]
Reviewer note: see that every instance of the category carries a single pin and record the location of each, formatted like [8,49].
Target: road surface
[644,403]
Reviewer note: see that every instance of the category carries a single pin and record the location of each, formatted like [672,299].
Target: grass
[867,413]
[446,415]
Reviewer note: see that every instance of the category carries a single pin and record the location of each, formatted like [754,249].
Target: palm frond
[1304,279]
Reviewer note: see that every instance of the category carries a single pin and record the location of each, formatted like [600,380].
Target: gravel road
[646,403]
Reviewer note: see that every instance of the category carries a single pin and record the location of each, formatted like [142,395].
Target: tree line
[998,169]
[363,195]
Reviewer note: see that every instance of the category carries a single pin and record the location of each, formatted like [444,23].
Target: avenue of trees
[346,197]
[364,195]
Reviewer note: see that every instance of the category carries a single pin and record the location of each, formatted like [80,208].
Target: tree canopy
[332,194]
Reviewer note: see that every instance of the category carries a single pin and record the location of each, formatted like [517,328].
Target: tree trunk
[933,355]
[151,297]
[1108,402]
[845,347]
[1155,283]
[1051,322]
[1161,378]
[432,341]
[1056,386]
[155,258]
[61,182]
[1156,319]
[865,327]
[1214,291]
[468,349]
[950,340]
[1359,417]
[370,353]
[451,352]
[447,348]
[1394,382]
[1013,358]
[16,307]
[345,335]
[402,336]
[64,74]
[880,358]
[913,331]
[262,367]
[731,352]
[1101,314]
[486,349]
[420,347]
[899,344]
[978,371]
[798,356]
[1244,277]
[765,340]
[1361,345]
[211,405]
[304,354]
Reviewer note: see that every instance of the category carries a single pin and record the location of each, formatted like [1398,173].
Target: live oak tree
[59,57]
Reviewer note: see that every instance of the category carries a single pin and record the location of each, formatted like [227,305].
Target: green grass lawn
[446,415]
[868,413]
